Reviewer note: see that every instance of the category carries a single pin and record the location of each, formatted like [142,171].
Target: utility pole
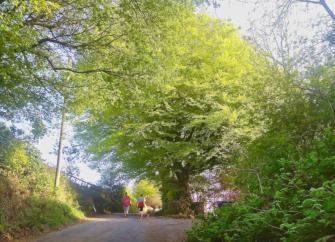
[60,149]
[61,136]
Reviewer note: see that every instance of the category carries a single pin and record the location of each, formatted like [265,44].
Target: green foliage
[164,94]
[27,197]
[24,89]
[298,206]
[287,174]
[150,191]
[145,187]
[41,41]
[42,213]
[98,201]
[114,200]
[189,110]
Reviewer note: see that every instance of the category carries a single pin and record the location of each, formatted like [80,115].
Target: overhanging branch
[97,70]
[323,3]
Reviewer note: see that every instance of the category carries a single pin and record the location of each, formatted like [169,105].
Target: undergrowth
[297,203]
[28,202]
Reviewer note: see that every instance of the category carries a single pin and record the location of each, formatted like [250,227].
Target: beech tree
[42,40]
[192,108]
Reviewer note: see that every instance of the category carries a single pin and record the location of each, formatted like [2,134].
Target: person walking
[126,203]
[140,205]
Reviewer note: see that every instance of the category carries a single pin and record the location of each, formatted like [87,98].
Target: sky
[240,13]
[47,147]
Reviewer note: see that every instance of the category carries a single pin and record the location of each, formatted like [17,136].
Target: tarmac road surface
[119,229]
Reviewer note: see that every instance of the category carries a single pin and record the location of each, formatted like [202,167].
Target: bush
[297,204]
[27,197]
[23,208]
[47,212]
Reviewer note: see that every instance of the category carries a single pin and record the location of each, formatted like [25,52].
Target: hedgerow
[297,203]
[28,201]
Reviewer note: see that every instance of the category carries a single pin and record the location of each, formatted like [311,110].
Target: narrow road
[120,229]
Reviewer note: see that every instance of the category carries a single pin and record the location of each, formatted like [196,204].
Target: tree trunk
[176,194]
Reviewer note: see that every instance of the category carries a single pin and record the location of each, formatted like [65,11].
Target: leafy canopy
[192,107]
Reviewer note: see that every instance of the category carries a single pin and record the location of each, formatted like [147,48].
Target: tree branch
[106,71]
[323,4]
[327,8]
[308,1]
